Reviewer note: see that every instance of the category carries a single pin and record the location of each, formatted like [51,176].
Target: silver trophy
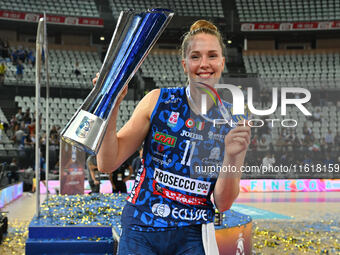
[132,40]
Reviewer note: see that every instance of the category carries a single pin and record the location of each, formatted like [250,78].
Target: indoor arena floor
[283,223]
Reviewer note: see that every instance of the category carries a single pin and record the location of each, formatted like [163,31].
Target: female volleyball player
[170,210]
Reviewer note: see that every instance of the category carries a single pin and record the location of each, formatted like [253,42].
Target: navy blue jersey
[173,187]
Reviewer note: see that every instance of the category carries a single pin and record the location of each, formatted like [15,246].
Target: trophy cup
[132,40]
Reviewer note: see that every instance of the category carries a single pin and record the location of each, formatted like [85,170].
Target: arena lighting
[229,41]
[102,38]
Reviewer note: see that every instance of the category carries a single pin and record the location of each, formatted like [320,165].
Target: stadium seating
[62,109]
[208,9]
[283,11]
[165,68]
[3,136]
[84,8]
[313,69]
[62,63]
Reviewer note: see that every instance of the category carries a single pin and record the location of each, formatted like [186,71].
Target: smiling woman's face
[204,60]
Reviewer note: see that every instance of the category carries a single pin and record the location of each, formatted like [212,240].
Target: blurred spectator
[31,128]
[4,48]
[253,143]
[29,151]
[317,115]
[20,115]
[307,159]
[306,130]
[264,144]
[3,69]
[289,140]
[297,144]
[54,131]
[280,143]
[94,174]
[27,116]
[2,130]
[76,69]
[316,146]
[31,58]
[118,178]
[13,171]
[13,121]
[308,142]
[282,159]
[21,53]
[137,161]
[20,70]
[19,135]
[268,160]
[14,57]
[329,140]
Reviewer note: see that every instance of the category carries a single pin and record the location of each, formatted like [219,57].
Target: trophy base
[85,132]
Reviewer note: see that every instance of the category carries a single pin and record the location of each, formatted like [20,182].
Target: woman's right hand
[94,80]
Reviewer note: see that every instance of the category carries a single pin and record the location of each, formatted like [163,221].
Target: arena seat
[209,9]
[308,68]
[62,64]
[85,8]
[62,109]
[283,11]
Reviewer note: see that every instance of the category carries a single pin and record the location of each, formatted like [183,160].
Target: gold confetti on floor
[292,237]
[14,241]
[269,237]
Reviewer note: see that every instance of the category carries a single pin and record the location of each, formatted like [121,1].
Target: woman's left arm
[228,183]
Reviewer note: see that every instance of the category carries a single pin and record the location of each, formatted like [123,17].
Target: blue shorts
[181,241]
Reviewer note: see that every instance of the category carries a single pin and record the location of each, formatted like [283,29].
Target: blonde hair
[201,26]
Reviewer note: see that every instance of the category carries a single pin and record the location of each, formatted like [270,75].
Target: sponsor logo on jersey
[173,100]
[215,153]
[189,214]
[160,147]
[200,125]
[190,123]
[172,121]
[191,135]
[161,161]
[217,137]
[177,196]
[162,210]
[158,153]
[179,182]
[165,139]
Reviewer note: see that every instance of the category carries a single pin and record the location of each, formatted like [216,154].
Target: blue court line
[256,213]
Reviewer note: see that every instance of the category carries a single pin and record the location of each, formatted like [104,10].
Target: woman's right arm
[117,147]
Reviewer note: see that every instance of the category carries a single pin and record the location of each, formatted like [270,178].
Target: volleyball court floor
[283,223]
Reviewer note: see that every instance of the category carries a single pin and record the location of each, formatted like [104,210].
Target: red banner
[287,26]
[63,20]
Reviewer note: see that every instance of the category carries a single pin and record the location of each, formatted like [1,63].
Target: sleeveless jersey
[173,187]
